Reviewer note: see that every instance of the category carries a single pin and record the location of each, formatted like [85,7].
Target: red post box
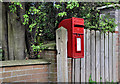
[75,28]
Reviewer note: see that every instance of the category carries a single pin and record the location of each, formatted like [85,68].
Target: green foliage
[58,6]
[62,14]
[46,16]
[91,81]
[13,6]
[71,5]
[94,82]
[37,49]
[106,23]
[26,19]
[31,26]
[42,19]
[34,10]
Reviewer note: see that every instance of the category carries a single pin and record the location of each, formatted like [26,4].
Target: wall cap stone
[24,62]
[103,7]
[50,45]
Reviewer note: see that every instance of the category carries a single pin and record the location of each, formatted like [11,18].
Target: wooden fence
[101,58]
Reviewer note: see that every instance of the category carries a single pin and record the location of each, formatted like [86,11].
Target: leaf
[62,14]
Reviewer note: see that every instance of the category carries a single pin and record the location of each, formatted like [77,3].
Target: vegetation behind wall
[31,24]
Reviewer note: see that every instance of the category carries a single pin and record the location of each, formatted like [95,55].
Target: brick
[31,80]
[69,68]
[53,79]
[69,79]
[53,56]
[47,55]
[52,67]
[38,66]
[23,82]
[53,75]
[7,80]
[44,75]
[69,64]
[29,72]
[52,52]
[0,81]
[44,70]
[6,74]
[11,68]
[53,70]
[35,76]
[69,59]
[26,77]
[10,79]
[42,80]
[25,67]
[0,75]
[36,71]
[45,65]
[1,70]
[14,79]
[16,73]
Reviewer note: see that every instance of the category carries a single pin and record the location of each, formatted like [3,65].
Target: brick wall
[31,73]
[51,55]
[34,73]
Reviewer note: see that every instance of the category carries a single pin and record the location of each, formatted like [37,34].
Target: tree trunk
[10,37]
[4,31]
[16,35]
[0,23]
[0,31]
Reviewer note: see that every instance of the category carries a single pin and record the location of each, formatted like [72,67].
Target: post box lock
[75,44]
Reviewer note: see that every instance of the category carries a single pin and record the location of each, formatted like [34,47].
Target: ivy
[26,19]
[106,23]
[71,5]
[13,6]
[57,6]
[62,14]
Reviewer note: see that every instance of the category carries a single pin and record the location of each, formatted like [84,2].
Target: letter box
[75,44]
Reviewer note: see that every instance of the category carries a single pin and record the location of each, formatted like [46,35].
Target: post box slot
[78,25]
[78,30]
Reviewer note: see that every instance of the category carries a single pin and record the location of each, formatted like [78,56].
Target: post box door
[78,45]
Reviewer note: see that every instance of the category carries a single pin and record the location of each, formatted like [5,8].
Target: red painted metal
[75,28]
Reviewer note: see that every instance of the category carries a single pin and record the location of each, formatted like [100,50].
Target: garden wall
[51,55]
[24,71]
[32,70]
